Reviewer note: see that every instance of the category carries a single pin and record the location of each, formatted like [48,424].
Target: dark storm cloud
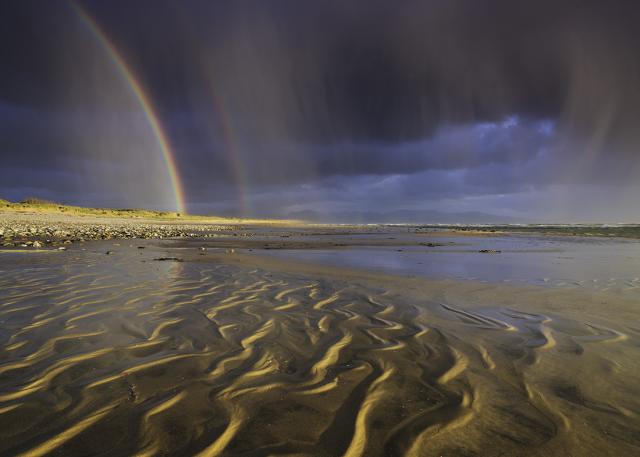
[301,92]
[374,69]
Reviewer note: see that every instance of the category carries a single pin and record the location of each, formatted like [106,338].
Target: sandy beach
[319,229]
[223,346]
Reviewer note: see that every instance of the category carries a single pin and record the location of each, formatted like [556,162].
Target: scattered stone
[62,248]
[109,252]
[489,251]
[75,231]
[169,259]
[430,245]
[133,395]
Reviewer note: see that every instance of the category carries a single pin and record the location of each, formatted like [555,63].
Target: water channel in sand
[597,263]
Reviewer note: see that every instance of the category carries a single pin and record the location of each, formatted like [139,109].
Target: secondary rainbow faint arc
[233,153]
[144,102]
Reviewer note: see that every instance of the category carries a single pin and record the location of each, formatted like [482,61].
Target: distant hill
[403,216]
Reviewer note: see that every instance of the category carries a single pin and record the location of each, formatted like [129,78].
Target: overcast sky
[520,109]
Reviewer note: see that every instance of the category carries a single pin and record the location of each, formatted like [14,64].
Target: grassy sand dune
[36,206]
[45,222]
[235,355]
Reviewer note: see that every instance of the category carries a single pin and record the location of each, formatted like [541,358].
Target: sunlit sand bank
[45,210]
[219,351]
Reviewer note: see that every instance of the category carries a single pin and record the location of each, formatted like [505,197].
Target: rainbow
[144,102]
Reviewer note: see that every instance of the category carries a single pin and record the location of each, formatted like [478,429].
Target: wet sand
[214,352]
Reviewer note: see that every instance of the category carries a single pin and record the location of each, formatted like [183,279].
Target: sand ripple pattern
[118,356]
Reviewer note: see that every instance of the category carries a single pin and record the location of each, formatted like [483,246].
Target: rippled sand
[234,355]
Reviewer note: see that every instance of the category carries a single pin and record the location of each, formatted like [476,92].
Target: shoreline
[18,226]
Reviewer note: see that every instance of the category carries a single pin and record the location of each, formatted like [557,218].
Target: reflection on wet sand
[122,354]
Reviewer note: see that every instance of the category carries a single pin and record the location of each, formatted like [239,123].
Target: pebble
[170,259]
[21,233]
